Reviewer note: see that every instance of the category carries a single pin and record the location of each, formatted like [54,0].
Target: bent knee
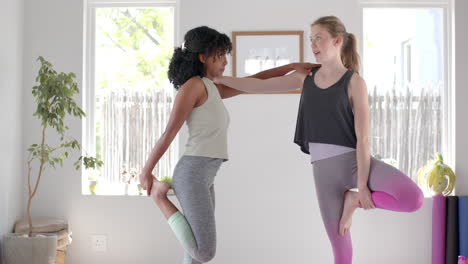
[416,201]
[206,255]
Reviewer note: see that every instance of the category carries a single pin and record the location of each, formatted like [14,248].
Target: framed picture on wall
[255,51]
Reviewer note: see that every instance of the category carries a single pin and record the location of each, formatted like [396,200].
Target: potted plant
[93,180]
[54,98]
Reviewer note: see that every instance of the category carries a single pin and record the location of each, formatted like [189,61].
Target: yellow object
[92,188]
[437,177]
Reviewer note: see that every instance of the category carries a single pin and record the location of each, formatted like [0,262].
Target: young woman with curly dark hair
[199,103]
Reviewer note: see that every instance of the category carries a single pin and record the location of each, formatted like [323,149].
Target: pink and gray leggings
[391,190]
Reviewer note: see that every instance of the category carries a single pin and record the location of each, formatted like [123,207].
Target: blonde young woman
[333,128]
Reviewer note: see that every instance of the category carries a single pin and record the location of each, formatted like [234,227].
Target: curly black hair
[200,40]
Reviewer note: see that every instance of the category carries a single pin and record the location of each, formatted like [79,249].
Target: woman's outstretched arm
[227,91]
[285,83]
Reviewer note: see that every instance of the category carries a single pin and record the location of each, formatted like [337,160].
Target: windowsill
[115,189]
[169,194]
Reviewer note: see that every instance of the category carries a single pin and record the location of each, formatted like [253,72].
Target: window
[405,66]
[128,95]
[406,61]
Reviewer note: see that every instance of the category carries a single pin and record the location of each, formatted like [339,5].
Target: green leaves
[167,180]
[88,162]
[44,153]
[71,144]
[54,96]
[144,36]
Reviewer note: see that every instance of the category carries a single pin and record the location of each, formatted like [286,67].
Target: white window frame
[448,103]
[90,6]
[407,60]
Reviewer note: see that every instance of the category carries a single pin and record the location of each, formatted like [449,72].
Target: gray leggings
[193,183]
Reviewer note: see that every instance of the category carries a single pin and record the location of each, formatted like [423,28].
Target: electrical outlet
[99,243]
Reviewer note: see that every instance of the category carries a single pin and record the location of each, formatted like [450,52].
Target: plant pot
[92,187]
[21,249]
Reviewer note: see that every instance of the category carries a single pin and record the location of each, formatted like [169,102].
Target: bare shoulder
[357,80]
[357,84]
[192,92]
[295,79]
[193,85]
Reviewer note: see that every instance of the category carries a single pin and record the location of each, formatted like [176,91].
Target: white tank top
[207,125]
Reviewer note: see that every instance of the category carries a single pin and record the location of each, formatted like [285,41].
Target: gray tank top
[325,115]
[207,125]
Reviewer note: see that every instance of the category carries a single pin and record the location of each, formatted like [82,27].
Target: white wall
[11,148]
[266,206]
[461,84]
